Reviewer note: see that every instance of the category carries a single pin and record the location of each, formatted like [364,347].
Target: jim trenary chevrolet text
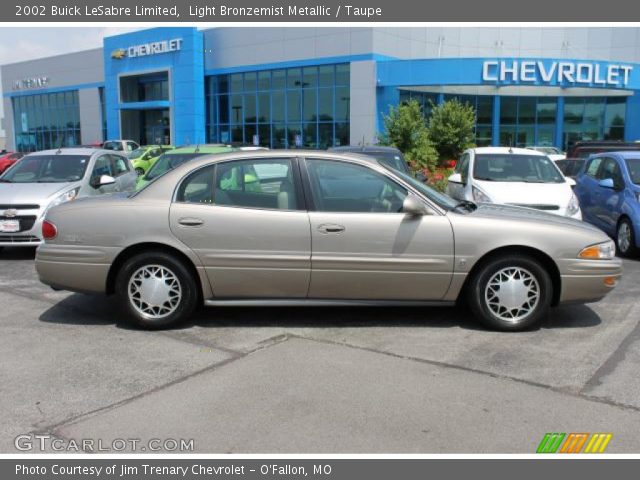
[316,228]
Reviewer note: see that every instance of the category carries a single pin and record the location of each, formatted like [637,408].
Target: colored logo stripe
[598,443]
[550,442]
[573,443]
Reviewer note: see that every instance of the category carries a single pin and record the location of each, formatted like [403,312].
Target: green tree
[451,128]
[405,128]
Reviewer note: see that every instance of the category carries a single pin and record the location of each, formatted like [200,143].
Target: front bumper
[31,237]
[588,280]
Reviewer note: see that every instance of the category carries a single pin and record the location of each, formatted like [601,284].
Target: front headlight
[63,198]
[574,205]
[600,251]
[479,196]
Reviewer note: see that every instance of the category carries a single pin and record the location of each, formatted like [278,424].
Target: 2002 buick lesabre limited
[318,228]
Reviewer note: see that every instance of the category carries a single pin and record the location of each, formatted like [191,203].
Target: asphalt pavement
[314,380]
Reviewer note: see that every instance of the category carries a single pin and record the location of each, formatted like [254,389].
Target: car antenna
[197,148]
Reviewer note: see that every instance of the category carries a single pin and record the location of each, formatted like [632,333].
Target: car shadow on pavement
[22,253]
[79,309]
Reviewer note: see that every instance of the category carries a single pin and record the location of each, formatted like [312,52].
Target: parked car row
[326,228]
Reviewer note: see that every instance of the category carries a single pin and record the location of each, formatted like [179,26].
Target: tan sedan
[318,228]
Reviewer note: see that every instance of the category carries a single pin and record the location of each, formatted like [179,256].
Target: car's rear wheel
[625,238]
[511,293]
[139,171]
[156,290]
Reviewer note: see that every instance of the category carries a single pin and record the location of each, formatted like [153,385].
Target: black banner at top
[315,11]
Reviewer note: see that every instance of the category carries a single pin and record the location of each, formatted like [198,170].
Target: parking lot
[341,380]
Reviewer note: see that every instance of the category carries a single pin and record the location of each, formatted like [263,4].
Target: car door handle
[191,222]
[331,228]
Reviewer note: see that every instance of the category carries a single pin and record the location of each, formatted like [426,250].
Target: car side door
[363,245]
[103,165]
[457,190]
[123,173]
[586,189]
[247,222]
[610,199]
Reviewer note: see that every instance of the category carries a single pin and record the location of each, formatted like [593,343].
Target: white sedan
[513,176]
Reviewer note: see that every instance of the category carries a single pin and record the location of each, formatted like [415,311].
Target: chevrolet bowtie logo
[10,213]
[119,54]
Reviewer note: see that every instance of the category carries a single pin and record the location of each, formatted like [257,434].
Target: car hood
[520,214]
[523,193]
[31,193]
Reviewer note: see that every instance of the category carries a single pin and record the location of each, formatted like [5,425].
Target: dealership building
[313,87]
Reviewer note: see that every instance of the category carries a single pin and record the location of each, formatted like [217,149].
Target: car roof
[216,148]
[621,153]
[84,151]
[508,150]
[365,148]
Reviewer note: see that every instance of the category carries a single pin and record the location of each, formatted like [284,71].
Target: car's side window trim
[300,200]
[309,190]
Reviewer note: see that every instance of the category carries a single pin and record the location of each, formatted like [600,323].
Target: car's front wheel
[156,290]
[625,238]
[139,171]
[511,293]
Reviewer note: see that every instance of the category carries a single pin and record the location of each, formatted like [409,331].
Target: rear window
[169,161]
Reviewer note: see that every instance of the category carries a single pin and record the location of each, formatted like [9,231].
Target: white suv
[513,176]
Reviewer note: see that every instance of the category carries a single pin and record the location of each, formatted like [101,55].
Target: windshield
[440,199]
[47,169]
[548,150]
[633,165]
[168,162]
[137,153]
[516,168]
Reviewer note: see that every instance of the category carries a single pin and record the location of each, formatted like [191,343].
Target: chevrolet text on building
[559,73]
[31,82]
[153,48]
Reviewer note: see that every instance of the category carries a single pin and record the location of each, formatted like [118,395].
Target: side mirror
[455,178]
[413,206]
[570,181]
[102,180]
[421,177]
[606,183]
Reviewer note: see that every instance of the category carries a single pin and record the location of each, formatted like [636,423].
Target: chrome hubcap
[512,294]
[624,237]
[154,291]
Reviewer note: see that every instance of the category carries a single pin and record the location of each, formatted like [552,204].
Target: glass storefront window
[47,121]
[285,108]
[594,118]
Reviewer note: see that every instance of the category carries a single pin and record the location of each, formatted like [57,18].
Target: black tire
[139,171]
[493,316]
[1,249]
[188,288]
[631,250]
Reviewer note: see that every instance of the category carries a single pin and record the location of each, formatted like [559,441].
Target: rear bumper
[589,280]
[74,268]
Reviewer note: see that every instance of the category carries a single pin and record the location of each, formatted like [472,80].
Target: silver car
[318,228]
[45,179]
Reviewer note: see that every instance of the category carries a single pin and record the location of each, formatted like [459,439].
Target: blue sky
[26,43]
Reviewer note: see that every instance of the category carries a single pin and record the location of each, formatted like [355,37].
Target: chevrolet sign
[145,49]
[31,82]
[556,73]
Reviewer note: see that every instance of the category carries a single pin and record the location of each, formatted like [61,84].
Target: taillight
[49,230]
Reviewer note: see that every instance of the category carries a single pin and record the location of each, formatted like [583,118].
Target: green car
[171,159]
[145,157]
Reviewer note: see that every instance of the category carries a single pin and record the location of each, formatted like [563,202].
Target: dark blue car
[608,188]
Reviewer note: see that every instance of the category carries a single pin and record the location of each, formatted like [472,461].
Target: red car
[8,159]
